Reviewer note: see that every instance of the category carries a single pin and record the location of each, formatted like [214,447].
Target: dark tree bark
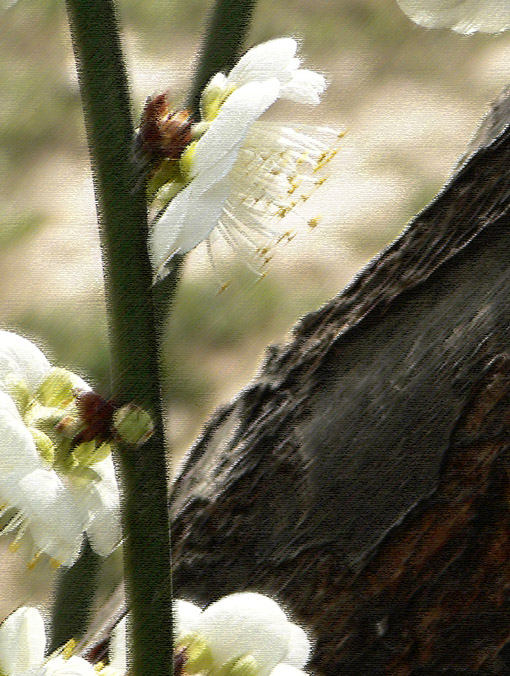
[363,478]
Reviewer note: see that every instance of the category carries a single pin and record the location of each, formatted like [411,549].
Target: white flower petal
[74,666]
[226,149]
[241,109]
[287,670]
[299,647]
[117,652]
[186,617]
[187,221]
[22,641]
[463,16]
[52,517]
[195,210]
[306,86]
[267,60]
[18,454]
[246,624]
[101,502]
[21,359]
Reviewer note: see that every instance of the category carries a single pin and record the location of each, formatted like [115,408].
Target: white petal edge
[187,221]
[53,520]
[241,109]
[118,647]
[74,666]
[18,455]
[21,359]
[186,617]
[101,502]
[287,670]
[246,623]
[463,16]
[306,86]
[299,649]
[22,641]
[274,58]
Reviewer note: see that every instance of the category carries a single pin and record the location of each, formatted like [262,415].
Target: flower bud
[133,425]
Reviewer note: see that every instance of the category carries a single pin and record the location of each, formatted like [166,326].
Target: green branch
[224,41]
[73,599]
[132,330]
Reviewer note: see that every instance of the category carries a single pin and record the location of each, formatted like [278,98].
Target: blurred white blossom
[50,489]
[22,647]
[463,16]
[243,633]
[237,175]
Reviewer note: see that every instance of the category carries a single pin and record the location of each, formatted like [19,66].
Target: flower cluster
[55,482]
[463,16]
[238,174]
[22,649]
[245,634]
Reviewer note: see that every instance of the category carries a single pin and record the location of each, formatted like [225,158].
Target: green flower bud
[133,424]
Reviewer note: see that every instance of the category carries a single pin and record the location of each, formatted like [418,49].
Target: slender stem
[73,598]
[132,328]
[225,37]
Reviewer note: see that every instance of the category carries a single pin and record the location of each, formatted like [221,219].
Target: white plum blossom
[22,647]
[238,174]
[244,633]
[49,489]
[463,16]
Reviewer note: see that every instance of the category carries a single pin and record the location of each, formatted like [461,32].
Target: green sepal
[168,172]
[84,474]
[44,445]
[186,161]
[57,389]
[19,392]
[199,656]
[241,666]
[87,453]
[45,418]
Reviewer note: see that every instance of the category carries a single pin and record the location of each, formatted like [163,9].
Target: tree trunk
[363,478]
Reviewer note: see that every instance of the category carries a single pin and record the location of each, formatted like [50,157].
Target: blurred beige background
[409,98]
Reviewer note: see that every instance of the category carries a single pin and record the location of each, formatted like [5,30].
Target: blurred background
[408,98]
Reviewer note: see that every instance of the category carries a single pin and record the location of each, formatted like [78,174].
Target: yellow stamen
[32,564]
[69,648]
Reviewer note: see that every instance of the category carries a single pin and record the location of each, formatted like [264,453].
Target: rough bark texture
[363,477]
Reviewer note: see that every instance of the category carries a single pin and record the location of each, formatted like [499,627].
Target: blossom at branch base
[463,16]
[238,174]
[22,647]
[245,634]
[52,490]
